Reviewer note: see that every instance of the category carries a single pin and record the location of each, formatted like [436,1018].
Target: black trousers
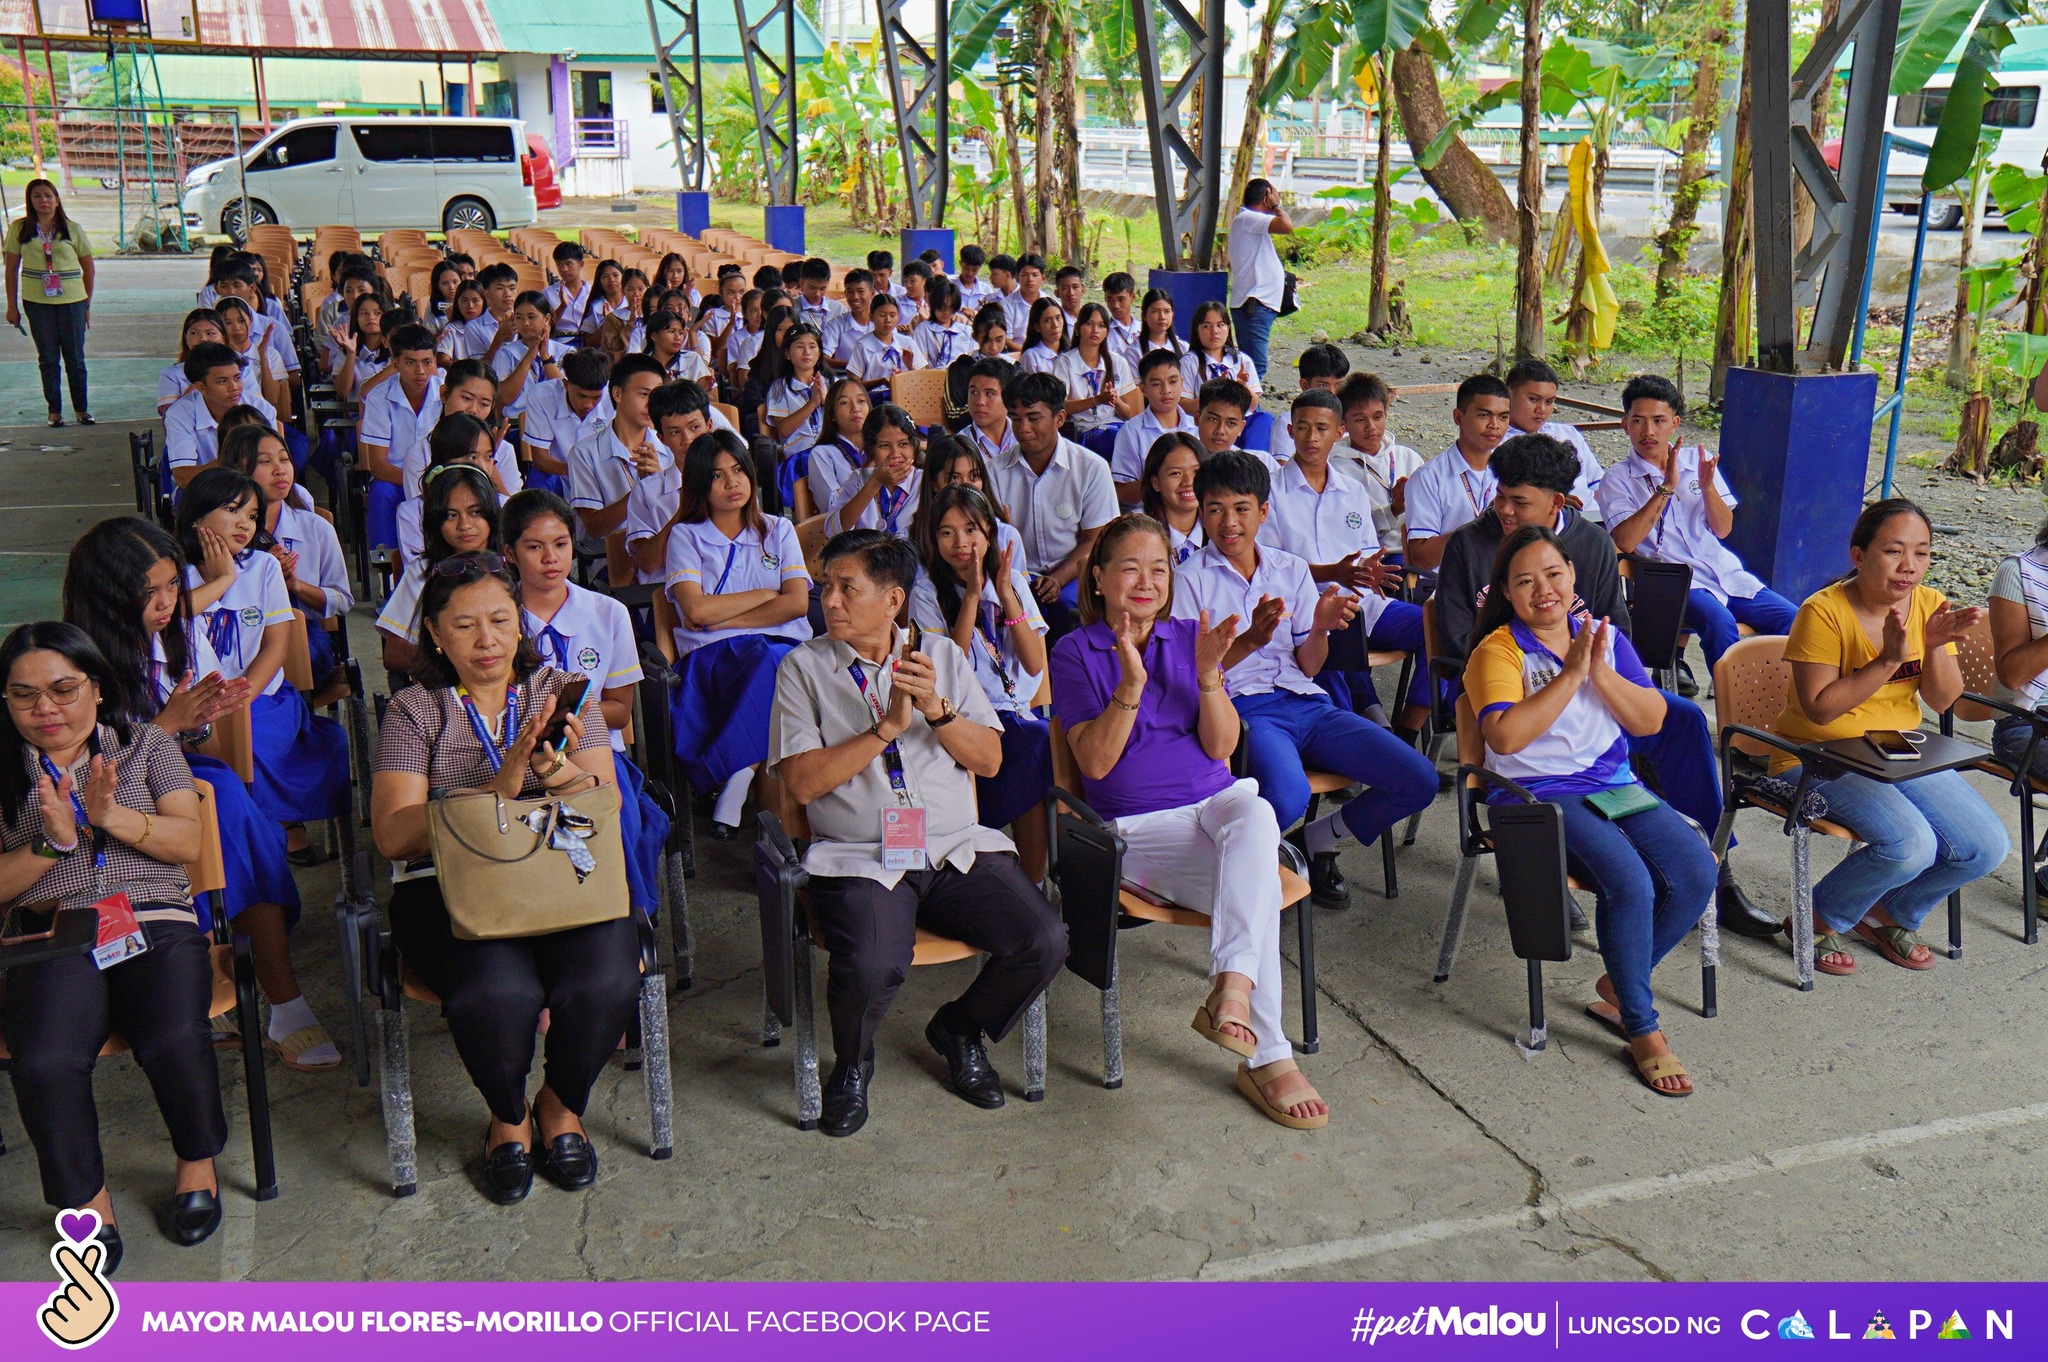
[492,993]
[870,931]
[58,1015]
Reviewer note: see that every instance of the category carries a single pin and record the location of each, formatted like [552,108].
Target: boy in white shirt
[1457,486]
[1120,295]
[1070,286]
[1532,398]
[813,277]
[569,298]
[988,419]
[1017,306]
[1369,454]
[1159,380]
[849,326]
[1323,368]
[974,290]
[680,413]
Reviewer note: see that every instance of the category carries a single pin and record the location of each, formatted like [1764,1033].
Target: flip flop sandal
[1612,1024]
[1824,945]
[226,1034]
[1894,944]
[1648,1071]
[1248,1084]
[298,1043]
[1210,1027]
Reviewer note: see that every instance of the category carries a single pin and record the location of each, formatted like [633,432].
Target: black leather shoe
[1578,914]
[194,1217]
[109,1240]
[1326,883]
[1686,685]
[508,1173]
[969,1072]
[724,832]
[846,1098]
[1739,915]
[569,1162]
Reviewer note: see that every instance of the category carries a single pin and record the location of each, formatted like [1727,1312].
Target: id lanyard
[53,283]
[1465,481]
[892,758]
[494,750]
[995,653]
[99,835]
[891,507]
[800,394]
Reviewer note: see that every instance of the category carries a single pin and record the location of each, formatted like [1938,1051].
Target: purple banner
[1045,1322]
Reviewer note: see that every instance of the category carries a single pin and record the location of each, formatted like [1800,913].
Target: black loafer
[1739,915]
[846,1098]
[508,1173]
[1326,883]
[968,1071]
[109,1240]
[1686,685]
[724,832]
[569,1162]
[194,1217]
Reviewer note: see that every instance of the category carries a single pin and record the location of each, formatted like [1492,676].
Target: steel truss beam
[1188,212]
[926,158]
[774,114]
[682,89]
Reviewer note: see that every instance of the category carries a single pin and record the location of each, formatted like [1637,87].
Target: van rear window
[473,142]
[2009,106]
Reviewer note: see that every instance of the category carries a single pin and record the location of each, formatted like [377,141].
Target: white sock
[1325,833]
[297,1015]
[732,800]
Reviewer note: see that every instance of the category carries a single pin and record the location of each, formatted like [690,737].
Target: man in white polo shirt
[1257,283]
[1059,496]
[1457,486]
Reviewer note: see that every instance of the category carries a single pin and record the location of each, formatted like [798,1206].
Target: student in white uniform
[1168,478]
[303,542]
[950,461]
[945,335]
[202,327]
[679,414]
[1155,325]
[1532,399]
[883,353]
[1045,336]
[742,598]
[842,329]
[884,493]
[988,419]
[1119,294]
[530,358]
[458,514]
[1457,486]
[608,460]
[1374,457]
[458,437]
[1056,493]
[1159,385]
[668,343]
[561,412]
[794,410]
[569,298]
[1322,368]
[1215,356]
[839,449]
[1102,391]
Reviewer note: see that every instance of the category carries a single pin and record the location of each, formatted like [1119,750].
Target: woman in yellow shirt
[49,273]
[1865,651]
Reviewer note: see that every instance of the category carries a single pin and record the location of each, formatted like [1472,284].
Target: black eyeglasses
[465,562]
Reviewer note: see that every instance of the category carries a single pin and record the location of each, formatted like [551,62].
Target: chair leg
[1721,832]
[1539,1031]
[1113,1028]
[395,1074]
[1802,906]
[675,898]
[1454,918]
[771,1025]
[1305,937]
[352,973]
[1710,961]
[660,1086]
[1955,925]
[1387,875]
[2030,896]
[809,1100]
[253,1071]
[1034,1050]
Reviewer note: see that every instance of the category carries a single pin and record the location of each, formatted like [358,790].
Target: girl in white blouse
[304,544]
[1045,337]
[1102,393]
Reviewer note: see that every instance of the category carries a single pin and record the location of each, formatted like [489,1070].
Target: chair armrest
[1807,774]
[638,596]
[1468,802]
[1055,797]
[2037,723]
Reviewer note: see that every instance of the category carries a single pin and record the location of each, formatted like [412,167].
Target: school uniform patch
[251,616]
[587,659]
[1353,520]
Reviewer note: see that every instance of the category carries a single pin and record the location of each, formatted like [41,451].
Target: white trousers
[1222,856]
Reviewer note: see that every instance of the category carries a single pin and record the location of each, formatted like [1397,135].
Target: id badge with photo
[903,844]
[120,936]
[53,285]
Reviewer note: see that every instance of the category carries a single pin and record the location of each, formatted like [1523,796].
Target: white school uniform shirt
[598,312]
[256,600]
[1681,534]
[897,520]
[1123,343]
[1037,359]
[698,552]
[549,423]
[389,420]
[1134,442]
[649,507]
[841,333]
[786,397]
[691,364]
[975,295]
[742,345]
[570,309]
[277,338]
[412,467]
[1051,509]
[206,297]
[1208,582]
[1587,488]
[832,462]
[1447,492]
[874,360]
[200,660]
[941,345]
[171,383]
[1086,380]
[712,322]
[601,468]
[994,656]
[192,433]
[591,634]
[1017,312]
[321,562]
[1197,369]
[991,450]
[1378,472]
[820,313]
[506,363]
[1255,269]
[1323,527]
[400,615]
[1187,545]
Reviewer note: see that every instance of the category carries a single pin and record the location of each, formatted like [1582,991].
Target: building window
[658,91]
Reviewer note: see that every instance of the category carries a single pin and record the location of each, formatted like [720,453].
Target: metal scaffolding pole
[1187,213]
[926,158]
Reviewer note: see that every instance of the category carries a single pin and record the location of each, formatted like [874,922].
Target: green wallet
[1619,801]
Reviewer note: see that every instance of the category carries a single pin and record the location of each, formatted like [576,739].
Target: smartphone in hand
[567,702]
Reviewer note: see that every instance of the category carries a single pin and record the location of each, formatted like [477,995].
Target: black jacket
[1467,570]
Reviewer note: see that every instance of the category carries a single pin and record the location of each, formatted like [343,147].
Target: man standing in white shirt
[1257,283]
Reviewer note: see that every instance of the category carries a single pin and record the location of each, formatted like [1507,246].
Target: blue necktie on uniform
[551,639]
[224,632]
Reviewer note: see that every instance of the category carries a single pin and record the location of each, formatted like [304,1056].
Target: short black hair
[1479,385]
[1528,371]
[1118,282]
[1653,388]
[887,300]
[412,338]
[1536,461]
[589,368]
[236,271]
[1255,191]
[1031,260]
[988,366]
[971,254]
[815,268]
[1036,390]
[767,277]
[1236,472]
[1322,361]
[1068,272]
[491,274]
[881,260]
[210,355]
[861,277]
[463,370]
[887,559]
[639,362]
[916,269]
[679,398]
[568,250]
[1002,260]
[1157,359]
[1228,391]
[1361,388]
[1317,399]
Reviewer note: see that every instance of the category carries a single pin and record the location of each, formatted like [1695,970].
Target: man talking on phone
[880,732]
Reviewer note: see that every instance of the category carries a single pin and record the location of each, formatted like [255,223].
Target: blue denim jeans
[1652,875]
[1290,732]
[59,332]
[1254,326]
[1923,839]
[1766,612]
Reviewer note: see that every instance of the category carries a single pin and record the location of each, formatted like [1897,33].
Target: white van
[372,174]
[2014,109]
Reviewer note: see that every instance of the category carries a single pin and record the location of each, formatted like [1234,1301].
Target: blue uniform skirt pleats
[252,846]
[643,829]
[724,705]
[301,759]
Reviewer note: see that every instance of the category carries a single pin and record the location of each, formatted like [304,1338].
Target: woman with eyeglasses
[473,721]
[90,809]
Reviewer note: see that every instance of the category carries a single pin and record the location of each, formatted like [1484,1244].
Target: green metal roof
[617,29]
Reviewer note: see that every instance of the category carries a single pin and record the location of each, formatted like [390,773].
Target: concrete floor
[1885,1126]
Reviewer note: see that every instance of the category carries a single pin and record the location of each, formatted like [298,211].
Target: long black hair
[1498,610]
[105,585]
[700,471]
[1107,353]
[523,508]
[1155,459]
[444,579]
[941,452]
[81,652]
[1046,303]
[977,508]
[59,223]
[214,488]
[239,450]
[441,482]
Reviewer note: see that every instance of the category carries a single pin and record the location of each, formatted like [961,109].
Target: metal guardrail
[602,137]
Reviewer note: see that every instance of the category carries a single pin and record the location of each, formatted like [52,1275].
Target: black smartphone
[1892,745]
[567,702]
[916,644]
[29,922]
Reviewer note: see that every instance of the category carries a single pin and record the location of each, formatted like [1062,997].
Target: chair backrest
[771,794]
[618,563]
[1432,643]
[1979,661]
[666,622]
[1471,742]
[208,874]
[1657,610]
[1751,683]
[729,411]
[233,742]
[298,655]
[922,393]
[1065,773]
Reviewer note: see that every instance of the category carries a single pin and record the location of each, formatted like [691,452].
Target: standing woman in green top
[49,275]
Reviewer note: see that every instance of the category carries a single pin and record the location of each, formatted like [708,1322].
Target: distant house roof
[617,29]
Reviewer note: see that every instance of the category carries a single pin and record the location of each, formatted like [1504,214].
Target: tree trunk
[1962,340]
[1378,319]
[1067,100]
[1529,193]
[1674,243]
[1466,185]
[1973,436]
[1250,143]
[1731,338]
[1013,143]
[1045,152]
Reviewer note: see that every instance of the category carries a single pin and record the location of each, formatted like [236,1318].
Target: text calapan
[566,1322]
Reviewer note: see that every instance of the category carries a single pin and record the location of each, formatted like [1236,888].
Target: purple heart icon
[78,1226]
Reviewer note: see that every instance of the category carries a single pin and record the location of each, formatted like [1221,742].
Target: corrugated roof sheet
[618,28]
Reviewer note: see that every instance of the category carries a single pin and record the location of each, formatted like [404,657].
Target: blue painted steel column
[784,226]
[693,211]
[918,240]
[1795,449]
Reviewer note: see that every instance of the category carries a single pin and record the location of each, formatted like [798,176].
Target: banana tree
[843,100]
[979,193]
[1930,31]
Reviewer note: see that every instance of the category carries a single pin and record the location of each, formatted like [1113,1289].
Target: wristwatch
[48,850]
[946,716]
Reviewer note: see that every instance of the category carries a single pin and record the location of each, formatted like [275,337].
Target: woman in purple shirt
[1141,697]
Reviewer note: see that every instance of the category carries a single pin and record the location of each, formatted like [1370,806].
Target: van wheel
[467,215]
[1944,217]
[261,214]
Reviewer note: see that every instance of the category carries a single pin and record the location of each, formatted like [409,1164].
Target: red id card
[903,846]
[120,935]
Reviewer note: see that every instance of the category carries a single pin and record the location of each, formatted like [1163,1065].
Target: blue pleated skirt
[301,760]
[320,651]
[537,480]
[793,469]
[383,513]
[643,829]
[724,705]
[297,445]
[252,846]
[1026,775]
